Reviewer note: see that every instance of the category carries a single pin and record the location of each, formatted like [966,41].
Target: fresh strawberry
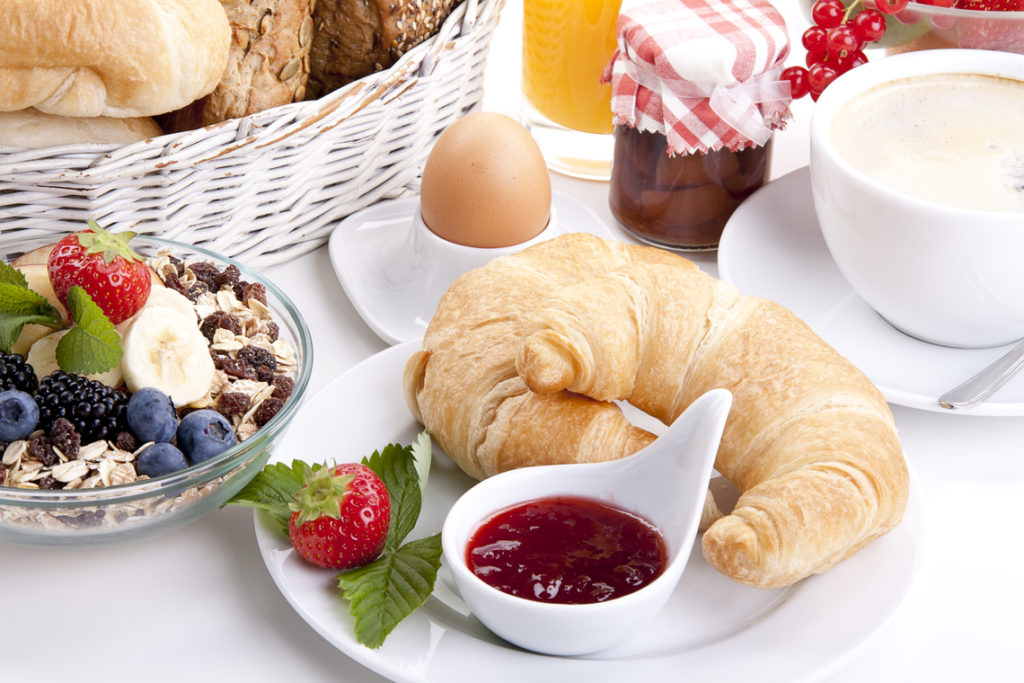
[112,274]
[340,518]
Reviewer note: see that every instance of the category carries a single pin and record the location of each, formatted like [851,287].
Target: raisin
[40,448]
[231,323]
[172,281]
[256,291]
[283,387]
[210,324]
[197,290]
[257,356]
[267,410]
[217,320]
[227,278]
[126,441]
[64,436]
[48,483]
[264,374]
[233,403]
[234,367]
[272,331]
[206,273]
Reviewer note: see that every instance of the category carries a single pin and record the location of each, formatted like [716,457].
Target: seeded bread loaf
[354,38]
[268,63]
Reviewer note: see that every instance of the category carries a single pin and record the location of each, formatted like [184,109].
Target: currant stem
[849,10]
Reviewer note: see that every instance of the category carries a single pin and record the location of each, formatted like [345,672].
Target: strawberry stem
[321,496]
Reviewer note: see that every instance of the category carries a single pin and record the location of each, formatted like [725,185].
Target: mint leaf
[92,345]
[388,589]
[273,489]
[396,466]
[12,276]
[20,306]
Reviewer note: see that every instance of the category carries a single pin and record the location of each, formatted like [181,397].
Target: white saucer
[392,285]
[772,247]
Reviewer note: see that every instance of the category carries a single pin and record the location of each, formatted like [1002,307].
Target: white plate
[391,285]
[772,247]
[710,628]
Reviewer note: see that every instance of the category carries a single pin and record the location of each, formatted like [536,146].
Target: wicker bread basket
[267,187]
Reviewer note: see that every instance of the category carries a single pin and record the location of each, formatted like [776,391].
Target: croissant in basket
[810,441]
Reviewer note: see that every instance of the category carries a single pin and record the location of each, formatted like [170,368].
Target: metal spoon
[985,383]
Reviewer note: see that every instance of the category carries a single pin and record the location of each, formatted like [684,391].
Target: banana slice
[169,298]
[42,356]
[164,349]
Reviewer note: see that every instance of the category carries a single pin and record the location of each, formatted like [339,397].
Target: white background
[199,604]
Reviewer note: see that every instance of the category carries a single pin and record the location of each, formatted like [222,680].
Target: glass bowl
[923,27]
[148,507]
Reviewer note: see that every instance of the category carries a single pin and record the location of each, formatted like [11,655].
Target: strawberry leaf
[273,489]
[388,589]
[396,467]
[92,345]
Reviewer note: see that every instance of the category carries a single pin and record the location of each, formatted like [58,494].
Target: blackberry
[96,410]
[16,373]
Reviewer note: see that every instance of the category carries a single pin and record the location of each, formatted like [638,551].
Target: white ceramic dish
[772,247]
[395,277]
[665,483]
[710,628]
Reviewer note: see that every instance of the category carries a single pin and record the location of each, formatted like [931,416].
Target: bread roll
[268,63]
[31,128]
[121,58]
[354,38]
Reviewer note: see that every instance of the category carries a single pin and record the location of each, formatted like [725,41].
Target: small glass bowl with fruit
[841,30]
[142,384]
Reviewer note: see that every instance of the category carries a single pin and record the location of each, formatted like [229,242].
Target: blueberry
[19,415]
[160,458]
[151,416]
[203,434]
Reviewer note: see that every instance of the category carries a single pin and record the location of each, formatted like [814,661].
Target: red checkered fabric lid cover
[704,73]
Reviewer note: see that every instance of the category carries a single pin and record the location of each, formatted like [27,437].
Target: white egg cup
[395,270]
[665,483]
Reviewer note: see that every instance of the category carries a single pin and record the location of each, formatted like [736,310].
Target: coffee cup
[941,265]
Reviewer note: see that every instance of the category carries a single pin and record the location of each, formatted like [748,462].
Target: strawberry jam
[566,549]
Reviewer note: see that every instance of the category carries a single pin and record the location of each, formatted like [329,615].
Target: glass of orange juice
[566,46]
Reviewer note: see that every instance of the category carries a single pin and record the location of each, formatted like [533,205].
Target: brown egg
[485,183]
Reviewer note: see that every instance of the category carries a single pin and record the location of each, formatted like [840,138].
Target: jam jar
[681,201]
[695,106]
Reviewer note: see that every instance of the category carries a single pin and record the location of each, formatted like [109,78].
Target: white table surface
[199,604]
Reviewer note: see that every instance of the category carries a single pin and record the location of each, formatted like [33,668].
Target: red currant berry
[869,25]
[819,76]
[813,58]
[828,13]
[891,6]
[815,39]
[843,40]
[851,60]
[799,85]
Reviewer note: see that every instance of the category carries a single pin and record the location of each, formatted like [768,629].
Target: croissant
[810,441]
[463,386]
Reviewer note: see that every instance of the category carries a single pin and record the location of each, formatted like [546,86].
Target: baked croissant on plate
[810,441]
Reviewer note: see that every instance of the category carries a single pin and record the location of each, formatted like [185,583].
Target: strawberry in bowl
[90,320]
[105,266]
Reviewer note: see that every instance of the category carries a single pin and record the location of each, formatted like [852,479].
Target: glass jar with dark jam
[695,107]
[680,201]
